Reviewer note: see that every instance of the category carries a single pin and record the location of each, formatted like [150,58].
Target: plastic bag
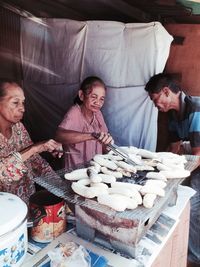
[71,255]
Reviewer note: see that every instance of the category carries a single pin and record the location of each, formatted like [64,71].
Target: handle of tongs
[95,135]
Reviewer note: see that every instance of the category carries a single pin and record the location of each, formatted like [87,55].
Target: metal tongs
[117,150]
[66,152]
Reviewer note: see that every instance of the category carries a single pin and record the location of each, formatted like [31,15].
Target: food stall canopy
[57,54]
[164,11]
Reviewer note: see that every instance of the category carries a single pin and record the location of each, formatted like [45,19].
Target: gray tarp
[58,54]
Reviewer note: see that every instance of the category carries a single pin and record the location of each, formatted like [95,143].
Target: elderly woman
[20,161]
[83,119]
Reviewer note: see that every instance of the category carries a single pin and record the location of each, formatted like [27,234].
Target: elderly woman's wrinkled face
[12,103]
[95,99]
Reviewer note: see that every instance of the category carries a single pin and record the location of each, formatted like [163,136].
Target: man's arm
[175,147]
[196,151]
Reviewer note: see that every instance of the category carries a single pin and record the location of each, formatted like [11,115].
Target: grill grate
[59,186]
[116,228]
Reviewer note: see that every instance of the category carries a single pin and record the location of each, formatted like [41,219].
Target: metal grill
[56,184]
[59,186]
[120,231]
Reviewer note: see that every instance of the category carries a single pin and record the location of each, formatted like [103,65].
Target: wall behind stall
[184,62]
[185,58]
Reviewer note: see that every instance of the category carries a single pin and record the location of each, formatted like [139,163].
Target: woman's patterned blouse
[16,177]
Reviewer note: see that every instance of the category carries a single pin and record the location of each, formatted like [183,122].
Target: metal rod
[117,150]
[66,152]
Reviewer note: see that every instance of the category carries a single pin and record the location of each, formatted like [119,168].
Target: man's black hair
[159,81]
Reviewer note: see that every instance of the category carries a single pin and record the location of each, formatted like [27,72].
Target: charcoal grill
[120,230]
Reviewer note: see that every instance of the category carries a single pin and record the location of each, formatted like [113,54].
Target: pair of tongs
[66,152]
[118,151]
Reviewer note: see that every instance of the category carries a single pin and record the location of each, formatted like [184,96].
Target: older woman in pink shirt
[84,118]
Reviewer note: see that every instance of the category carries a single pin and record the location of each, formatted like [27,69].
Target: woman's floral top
[16,177]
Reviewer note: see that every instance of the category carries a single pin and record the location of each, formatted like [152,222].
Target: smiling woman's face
[95,99]
[12,103]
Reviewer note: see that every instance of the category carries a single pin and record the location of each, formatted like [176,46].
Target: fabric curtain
[58,54]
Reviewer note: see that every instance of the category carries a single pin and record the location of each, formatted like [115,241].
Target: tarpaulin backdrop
[58,54]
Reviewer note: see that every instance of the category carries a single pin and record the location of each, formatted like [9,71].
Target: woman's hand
[50,146]
[105,138]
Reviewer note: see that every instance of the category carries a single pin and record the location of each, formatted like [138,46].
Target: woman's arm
[49,146]
[72,137]
[13,167]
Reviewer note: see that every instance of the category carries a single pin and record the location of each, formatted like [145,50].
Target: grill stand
[108,236]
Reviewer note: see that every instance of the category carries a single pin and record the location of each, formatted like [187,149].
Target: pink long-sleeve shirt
[75,121]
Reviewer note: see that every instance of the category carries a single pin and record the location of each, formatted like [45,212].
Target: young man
[184,125]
